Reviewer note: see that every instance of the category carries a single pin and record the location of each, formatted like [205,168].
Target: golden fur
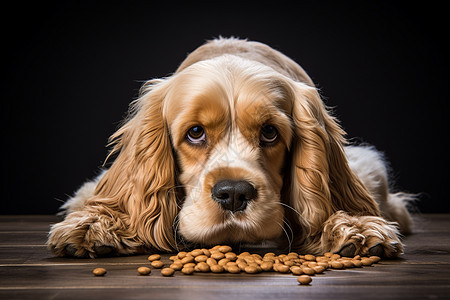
[157,192]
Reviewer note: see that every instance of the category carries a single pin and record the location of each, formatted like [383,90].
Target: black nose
[233,194]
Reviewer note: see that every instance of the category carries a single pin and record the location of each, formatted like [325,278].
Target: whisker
[292,233]
[179,239]
[285,232]
[291,208]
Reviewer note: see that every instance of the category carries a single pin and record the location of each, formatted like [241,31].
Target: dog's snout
[233,195]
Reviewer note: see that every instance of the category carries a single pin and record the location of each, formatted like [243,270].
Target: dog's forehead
[245,90]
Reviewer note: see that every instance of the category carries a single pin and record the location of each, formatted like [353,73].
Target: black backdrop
[70,71]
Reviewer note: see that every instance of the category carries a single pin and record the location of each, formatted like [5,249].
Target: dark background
[71,69]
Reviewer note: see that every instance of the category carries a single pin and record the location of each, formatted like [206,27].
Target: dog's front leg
[92,233]
[364,235]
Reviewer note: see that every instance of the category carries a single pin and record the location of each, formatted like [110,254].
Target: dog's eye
[269,135]
[196,135]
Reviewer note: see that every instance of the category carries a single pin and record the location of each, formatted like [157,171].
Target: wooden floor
[28,271]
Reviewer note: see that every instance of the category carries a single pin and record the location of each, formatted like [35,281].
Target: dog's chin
[234,228]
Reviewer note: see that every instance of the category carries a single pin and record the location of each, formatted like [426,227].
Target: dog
[235,147]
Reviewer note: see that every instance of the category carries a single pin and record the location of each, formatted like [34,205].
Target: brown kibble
[201,258]
[266,266]
[308,271]
[176,266]
[242,266]
[187,270]
[233,269]
[268,258]
[196,252]
[251,270]
[289,263]
[348,263]
[203,267]
[231,263]
[216,268]
[375,259]
[366,261]
[318,269]
[296,270]
[189,265]
[211,261]
[335,256]
[304,279]
[249,259]
[187,259]
[220,258]
[157,264]
[337,265]
[310,257]
[231,256]
[154,257]
[244,254]
[99,271]
[357,263]
[225,249]
[167,272]
[217,255]
[144,270]
[283,268]
[223,261]
[322,258]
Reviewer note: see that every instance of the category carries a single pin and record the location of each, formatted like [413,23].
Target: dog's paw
[84,234]
[364,235]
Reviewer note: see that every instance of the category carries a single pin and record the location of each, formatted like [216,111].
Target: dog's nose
[233,194]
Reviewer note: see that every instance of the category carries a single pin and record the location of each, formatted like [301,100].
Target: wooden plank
[28,270]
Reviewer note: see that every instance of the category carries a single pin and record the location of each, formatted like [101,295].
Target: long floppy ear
[321,180]
[140,183]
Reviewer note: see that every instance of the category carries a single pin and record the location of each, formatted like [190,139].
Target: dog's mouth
[236,225]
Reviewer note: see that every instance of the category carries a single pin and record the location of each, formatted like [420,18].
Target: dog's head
[247,145]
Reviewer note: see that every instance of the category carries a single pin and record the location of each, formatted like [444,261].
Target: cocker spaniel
[235,147]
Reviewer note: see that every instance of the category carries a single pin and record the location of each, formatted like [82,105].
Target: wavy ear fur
[139,185]
[321,180]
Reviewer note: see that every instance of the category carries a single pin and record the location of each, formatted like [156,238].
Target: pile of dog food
[221,259]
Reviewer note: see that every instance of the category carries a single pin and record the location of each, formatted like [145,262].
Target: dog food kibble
[154,257]
[366,261]
[251,269]
[225,249]
[221,259]
[187,259]
[167,272]
[99,271]
[357,263]
[216,268]
[375,259]
[157,264]
[337,264]
[187,270]
[144,270]
[304,279]
[176,266]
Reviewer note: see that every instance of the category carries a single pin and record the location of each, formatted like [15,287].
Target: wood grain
[29,271]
